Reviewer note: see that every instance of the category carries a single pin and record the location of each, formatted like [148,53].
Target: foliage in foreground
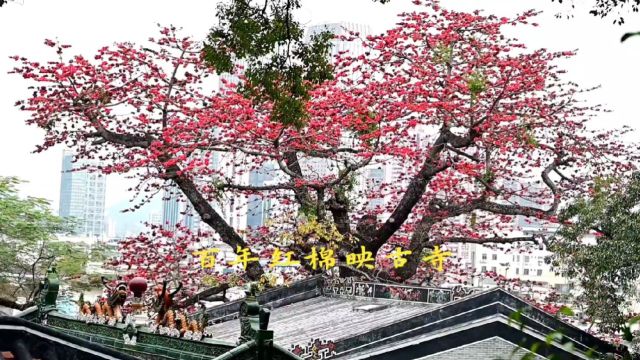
[607,266]
[27,228]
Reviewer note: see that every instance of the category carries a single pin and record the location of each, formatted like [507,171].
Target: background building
[257,206]
[155,218]
[385,171]
[82,197]
[523,261]
[354,48]
[176,209]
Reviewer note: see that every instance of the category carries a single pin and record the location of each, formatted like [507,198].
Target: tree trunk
[418,241]
[211,217]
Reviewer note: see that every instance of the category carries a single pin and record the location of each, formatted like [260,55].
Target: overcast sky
[88,25]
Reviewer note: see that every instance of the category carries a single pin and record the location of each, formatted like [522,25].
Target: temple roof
[346,318]
[353,319]
[325,318]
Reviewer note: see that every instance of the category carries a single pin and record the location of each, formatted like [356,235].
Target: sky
[88,25]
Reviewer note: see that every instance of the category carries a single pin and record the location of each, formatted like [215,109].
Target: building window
[517,271]
[526,272]
[494,257]
[484,269]
[518,258]
[539,272]
[493,268]
[484,256]
[526,259]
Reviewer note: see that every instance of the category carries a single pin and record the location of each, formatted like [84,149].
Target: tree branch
[126,140]
[282,186]
[462,153]
[564,177]
[293,169]
[13,305]
[172,82]
[418,184]
[510,209]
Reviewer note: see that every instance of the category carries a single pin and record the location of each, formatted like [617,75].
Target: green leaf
[564,310]
[528,356]
[535,347]
[626,333]
[607,267]
[476,83]
[515,317]
[281,65]
[553,336]
[634,320]
[628,35]
[568,346]
[27,228]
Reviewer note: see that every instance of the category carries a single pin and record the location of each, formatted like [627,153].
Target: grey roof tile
[324,318]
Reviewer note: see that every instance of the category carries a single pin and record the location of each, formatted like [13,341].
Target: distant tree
[607,267]
[71,259]
[478,128]
[99,252]
[27,228]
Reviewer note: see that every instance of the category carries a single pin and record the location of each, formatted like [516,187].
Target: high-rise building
[354,48]
[170,207]
[176,209]
[155,218]
[82,197]
[257,207]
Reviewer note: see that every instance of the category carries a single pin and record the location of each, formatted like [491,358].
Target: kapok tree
[468,123]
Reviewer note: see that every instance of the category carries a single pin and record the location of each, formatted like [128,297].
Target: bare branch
[126,140]
[172,82]
[462,153]
[487,185]
[283,186]
[512,209]
[326,153]
[563,176]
